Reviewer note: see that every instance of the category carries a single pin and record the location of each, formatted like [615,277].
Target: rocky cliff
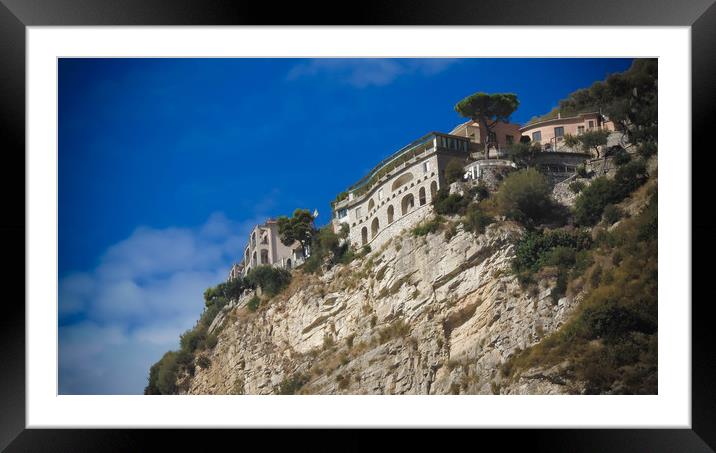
[433,314]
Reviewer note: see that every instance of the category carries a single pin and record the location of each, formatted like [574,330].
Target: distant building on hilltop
[550,133]
[265,248]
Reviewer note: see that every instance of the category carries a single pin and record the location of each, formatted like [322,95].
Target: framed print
[423,220]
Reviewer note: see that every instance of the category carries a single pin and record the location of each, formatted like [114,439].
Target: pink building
[550,133]
[501,136]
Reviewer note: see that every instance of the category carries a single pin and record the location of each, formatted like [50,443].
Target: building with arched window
[398,192]
[264,247]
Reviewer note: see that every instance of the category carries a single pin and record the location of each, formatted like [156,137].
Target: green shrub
[582,171]
[576,186]
[480,191]
[646,150]
[163,376]
[211,341]
[454,171]
[628,178]
[475,219]
[193,339]
[253,303]
[612,214]
[537,249]
[270,279]
[590,203]
[292,385]
[427,227]
[449,204]
[525,196]
[621,157]
[203,361]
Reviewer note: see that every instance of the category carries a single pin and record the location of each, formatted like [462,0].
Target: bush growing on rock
[475,219]
[525,196]
[454,171]
[612,214]
[576,186]
[270,279]
[446,203]
[253,303]
[591,202]
[428,226]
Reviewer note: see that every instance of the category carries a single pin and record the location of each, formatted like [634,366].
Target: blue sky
[165,164]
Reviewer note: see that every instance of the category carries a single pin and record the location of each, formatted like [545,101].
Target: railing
[403,151]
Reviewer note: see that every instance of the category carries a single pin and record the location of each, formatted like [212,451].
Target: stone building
[398,192]
[264,247]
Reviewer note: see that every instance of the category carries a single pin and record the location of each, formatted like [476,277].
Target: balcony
[403,158]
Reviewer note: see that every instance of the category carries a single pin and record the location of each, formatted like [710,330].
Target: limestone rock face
[422,315]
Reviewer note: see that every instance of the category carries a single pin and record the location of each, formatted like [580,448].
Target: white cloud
[118,319]
[362,72]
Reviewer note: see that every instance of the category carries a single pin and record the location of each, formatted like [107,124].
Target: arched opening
[401,181]
[288,263]
[391,212]
[407,203]
[421,196]
[374,227]
[371,204]
[264,256]
[253,259]
[253,239]
[364,236]
[433,190]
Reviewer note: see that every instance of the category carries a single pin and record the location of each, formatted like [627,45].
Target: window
[358,213]
[509,139]
[591,124]
[492,137]
[421,196]
[580,129]
[426,166]
[380,194]
[559,132]
[342,213]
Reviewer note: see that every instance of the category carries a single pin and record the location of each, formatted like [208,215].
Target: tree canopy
[588,141]
[298,227]
[488,109]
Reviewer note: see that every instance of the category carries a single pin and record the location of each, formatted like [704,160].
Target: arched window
[371,204]
[253,239]
[401,181]
[433,190]
[364,235]
[264,256]
[407,203]
[391,212]
[288,263]
[253,259]
[421,196]
[374,227]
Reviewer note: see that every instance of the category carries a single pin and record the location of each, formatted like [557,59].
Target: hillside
[516,287]
[444,312]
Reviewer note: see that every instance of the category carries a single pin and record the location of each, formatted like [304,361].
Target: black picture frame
[16,15]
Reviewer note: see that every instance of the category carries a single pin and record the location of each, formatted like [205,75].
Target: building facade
[550,133]
[397,194]
[502,135]
[264,247]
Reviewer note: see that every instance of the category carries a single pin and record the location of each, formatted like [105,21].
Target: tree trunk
[483,122]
